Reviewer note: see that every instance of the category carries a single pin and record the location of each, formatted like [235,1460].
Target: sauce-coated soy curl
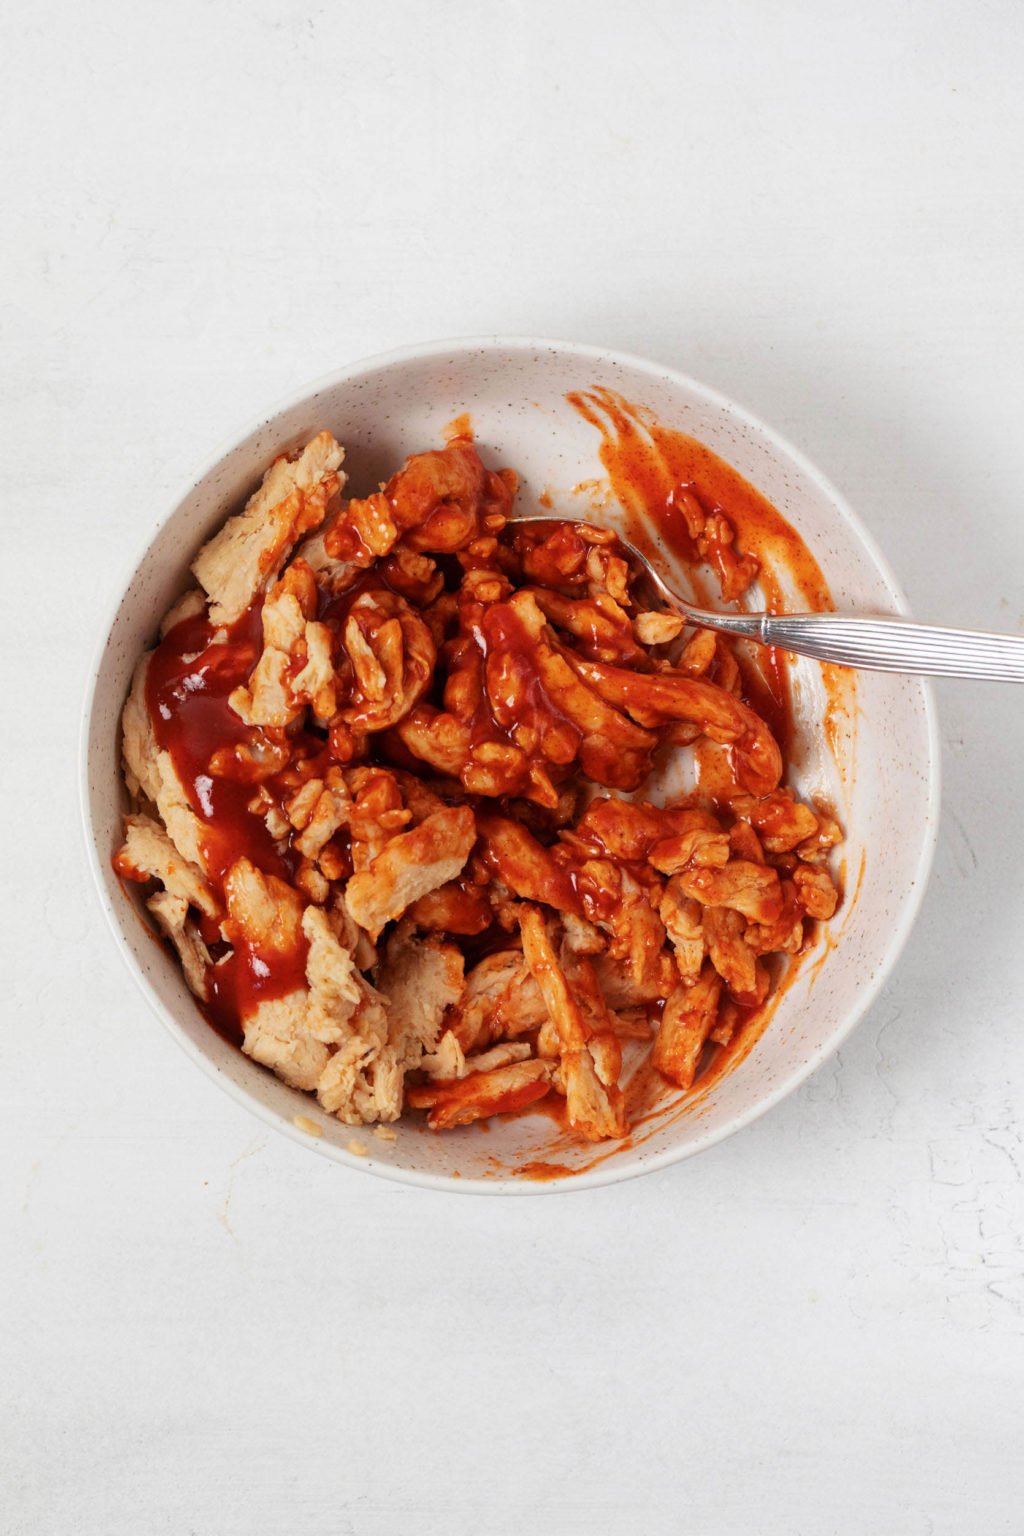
[379,812]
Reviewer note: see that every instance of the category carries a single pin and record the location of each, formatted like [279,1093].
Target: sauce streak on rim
[651,469]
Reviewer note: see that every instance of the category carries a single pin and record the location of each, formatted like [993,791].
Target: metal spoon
[889,644]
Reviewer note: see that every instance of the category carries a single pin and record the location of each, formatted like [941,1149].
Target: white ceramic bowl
[887,793]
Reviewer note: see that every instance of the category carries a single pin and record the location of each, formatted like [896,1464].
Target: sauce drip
[242,979]
[190,677]
[187,686]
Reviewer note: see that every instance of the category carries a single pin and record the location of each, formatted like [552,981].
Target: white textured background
[817,1327]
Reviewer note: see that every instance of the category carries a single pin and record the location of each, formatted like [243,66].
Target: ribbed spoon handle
[880,645]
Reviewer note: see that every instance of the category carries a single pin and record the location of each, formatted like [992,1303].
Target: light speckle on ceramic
[515,393]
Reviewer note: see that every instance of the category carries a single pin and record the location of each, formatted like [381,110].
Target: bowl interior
[882,775]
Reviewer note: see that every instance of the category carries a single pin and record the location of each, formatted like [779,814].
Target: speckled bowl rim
[606,1173]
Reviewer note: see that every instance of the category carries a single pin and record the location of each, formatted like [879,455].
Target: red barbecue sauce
[188,683]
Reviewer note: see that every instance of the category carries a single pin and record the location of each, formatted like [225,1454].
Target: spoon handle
[879,645]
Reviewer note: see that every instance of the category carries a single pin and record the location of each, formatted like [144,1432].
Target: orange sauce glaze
[654,1103]
[651,470]
[501,635]
[409,503]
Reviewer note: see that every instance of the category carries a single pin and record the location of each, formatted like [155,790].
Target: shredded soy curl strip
[380,762]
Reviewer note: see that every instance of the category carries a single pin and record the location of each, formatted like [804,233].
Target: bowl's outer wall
[515,392]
